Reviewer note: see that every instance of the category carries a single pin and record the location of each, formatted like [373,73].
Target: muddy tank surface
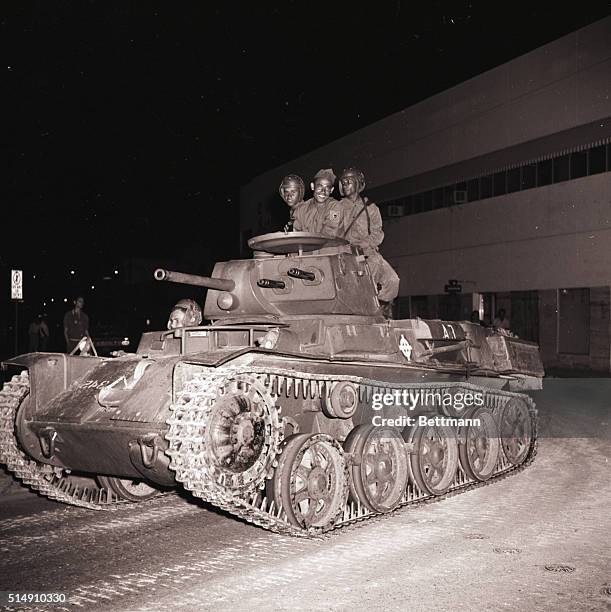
[300,408]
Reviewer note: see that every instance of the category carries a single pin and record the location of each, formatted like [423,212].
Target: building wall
[543,238]
[599,333]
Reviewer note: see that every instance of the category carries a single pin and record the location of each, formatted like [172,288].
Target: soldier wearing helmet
[291,191]
[185,313]
[363,228]
[321,214]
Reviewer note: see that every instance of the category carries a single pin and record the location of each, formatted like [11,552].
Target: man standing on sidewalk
[76,324]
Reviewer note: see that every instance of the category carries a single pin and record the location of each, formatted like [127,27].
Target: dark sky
[130,126]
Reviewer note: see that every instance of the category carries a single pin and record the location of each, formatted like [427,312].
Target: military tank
[299,408]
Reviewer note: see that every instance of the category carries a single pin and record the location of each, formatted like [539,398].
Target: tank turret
[294,274]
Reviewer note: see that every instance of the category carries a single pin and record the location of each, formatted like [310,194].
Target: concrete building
[502,183]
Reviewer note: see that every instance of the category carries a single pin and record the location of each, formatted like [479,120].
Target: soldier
[76,324]
[291,191]
[185,313]
[321,214]
[363,228]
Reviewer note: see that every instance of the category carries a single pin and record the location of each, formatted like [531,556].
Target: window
[418,203]
[561,168]
[485,186]
[438,197]
[596,160]
[499,183]
[579,164]
[529,176]
[473,190]
[513,180]
[448,195]
[544,172]
[428,200]
[574,321]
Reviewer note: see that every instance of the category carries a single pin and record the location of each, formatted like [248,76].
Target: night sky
[129,127]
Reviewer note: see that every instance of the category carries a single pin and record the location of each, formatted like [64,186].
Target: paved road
[539,540]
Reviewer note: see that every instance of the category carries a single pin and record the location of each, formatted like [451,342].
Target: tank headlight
[125,342]
[226,301]
[270,339]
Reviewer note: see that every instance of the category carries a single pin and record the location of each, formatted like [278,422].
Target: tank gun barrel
[220,284]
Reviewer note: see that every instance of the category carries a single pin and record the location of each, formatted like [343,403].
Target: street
[538,540]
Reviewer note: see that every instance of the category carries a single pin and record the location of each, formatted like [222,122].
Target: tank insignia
[405,347]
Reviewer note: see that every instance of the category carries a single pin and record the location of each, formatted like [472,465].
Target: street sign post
[16,284]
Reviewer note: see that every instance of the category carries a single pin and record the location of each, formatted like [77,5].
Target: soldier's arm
[376,235]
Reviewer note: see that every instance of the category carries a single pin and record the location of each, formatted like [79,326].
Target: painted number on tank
[448,332]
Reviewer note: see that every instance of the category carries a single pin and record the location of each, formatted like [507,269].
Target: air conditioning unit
[394,210]
[460,196]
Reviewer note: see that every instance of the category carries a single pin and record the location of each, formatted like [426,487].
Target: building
[502,183]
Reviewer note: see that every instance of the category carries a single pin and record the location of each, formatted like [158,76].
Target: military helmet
[293,178]
[357,174]
[192,310]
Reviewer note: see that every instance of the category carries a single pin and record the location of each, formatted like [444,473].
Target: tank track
[187,420]
[45,479]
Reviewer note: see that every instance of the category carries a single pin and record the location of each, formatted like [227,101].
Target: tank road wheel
[516,430]
[479,445]
[434,458]
[311,480]
[379,470]
[242,436]
[130,490]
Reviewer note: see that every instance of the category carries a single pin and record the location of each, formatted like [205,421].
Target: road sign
[16,284]
[453,286]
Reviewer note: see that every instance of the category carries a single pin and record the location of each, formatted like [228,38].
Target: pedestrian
[321,214]
[76,324]
[501,321]
[44,334]
[363,228]
[291,190]
[34,335]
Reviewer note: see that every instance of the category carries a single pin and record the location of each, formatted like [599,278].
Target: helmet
[297,180]
[326,173]
[185,313]
[355,173]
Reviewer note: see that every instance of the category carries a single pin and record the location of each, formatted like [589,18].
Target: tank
[299,407]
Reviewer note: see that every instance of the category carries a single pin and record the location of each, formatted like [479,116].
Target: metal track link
[188,421]
[43,478]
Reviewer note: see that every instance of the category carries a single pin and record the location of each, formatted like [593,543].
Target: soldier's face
[79,303]
[177,319]
[290,194]
[322,189]
[349,185]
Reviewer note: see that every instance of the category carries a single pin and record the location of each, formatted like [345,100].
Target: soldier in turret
[291,191]
[321,214]
[185,313]
[363,228]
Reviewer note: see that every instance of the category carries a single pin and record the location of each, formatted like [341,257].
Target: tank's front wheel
[311,480]
[130,490]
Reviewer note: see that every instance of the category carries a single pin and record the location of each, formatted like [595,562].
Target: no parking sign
[16,284]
